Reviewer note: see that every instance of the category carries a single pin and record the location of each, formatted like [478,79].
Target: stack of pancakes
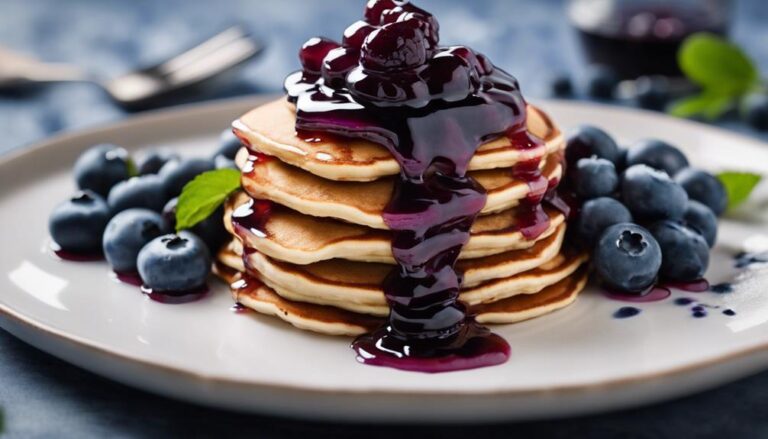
[321,250]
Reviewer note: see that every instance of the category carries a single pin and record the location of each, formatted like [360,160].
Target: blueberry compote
[390,82]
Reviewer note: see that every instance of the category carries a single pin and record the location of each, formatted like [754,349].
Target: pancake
[357,286]
[333,321]
[290,236]
[364,202]
[270,129]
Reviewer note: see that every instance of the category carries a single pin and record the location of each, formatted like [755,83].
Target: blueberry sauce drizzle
[391,83]
[653,294]
[696,286]
[626,312]
[75,257]
[175,297]
[722,288]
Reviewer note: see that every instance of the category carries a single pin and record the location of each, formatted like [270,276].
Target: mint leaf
[738,185]
[203,195]
[709,105]
[133,171]
[717,65]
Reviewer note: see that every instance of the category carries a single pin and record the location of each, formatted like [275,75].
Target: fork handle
[217,54]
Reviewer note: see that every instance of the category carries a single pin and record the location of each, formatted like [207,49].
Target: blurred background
[538,41]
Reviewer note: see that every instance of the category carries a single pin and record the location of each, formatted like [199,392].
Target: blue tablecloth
[43,397]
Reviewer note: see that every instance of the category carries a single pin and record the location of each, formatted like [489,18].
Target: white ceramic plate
[575,361]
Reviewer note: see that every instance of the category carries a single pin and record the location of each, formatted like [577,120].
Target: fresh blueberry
[627,258]
[174,263]
[621,161]
[154,160]
[229,145]
[101,167]
[177,173]
[685,253]
[211,230]
[597,215]
[77,224]
[652,92]
[587,141]
[755,110]
[658,155]
[601,82]
[561,85]
[221,162]
[651,195]
[145,191]
[169,212]
[595,177]
[127,233]
[701,219]
[704,188]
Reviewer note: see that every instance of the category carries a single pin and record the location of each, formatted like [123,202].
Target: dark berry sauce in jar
[642,37]
[390,82]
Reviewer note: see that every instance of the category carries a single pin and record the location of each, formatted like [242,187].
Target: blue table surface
[43,397]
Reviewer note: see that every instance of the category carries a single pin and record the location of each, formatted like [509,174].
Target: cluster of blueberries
[601,82]
[646,214]
[650,92]
[127,212]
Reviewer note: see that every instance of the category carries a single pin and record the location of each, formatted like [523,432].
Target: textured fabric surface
[44,397]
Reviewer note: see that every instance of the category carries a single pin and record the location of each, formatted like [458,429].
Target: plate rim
[41,329]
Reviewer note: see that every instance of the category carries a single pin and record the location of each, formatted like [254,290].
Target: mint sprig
[203,195]
[721,69]
[738,185]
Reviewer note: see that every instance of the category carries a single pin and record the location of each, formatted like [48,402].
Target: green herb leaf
[717,65]
[133,171]
[708,105]
[738,185]
[203,195]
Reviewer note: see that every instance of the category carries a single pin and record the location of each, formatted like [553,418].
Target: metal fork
[140,88]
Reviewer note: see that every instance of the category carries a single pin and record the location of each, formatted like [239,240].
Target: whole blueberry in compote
[337,64]
[145,191]
[127,233]
[652,92]
[601,82]
[651,195]
[587,141]
[561,86]
[77,224]
[450,77]
[627,258]
[314,51]
[101,167]
[595,177]
[755,110]
[597,215]
[355,34]
[704,188]
[176,174]
[211,230]
[375,8]
[685,253]
[174,263]
[395,46]
[658,155]
[229,145]
[700,218]
[154,160]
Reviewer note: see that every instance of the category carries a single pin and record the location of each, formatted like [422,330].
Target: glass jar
[641,37]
